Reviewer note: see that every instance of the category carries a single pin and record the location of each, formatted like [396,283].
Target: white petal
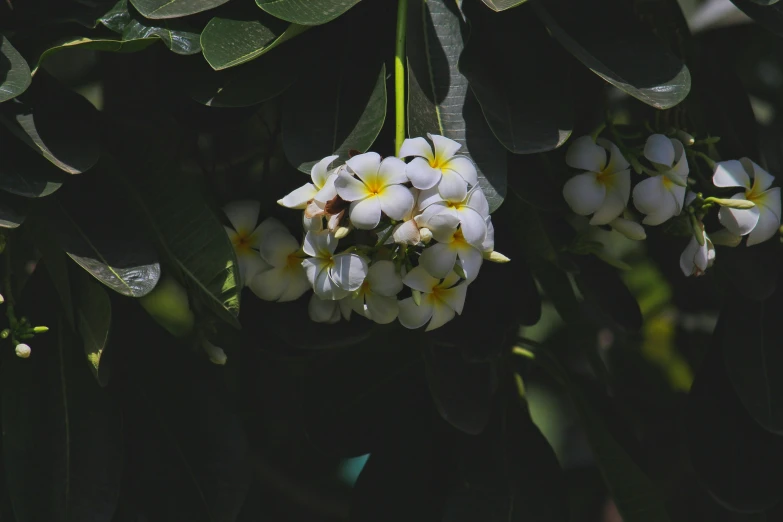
[652,198]
[270,285]
[413,315]
[438,260]
[488,244]
[584,193]
[421,174]
[441,314]
[321,310]
[365,214]
[454,297]
[463,167]
[277,247]
[313,267]
[470,259]
[250,264]
[680,169]
[406,233]
[416,147]
[701,258]
[396,201]
[441,220]
[384,279]
[382,309]
[659,149]
[350,188]
[420,280]
[328,190]
[678,194]
[687,257]
[730,173]
[584,154]
[444,147]
[348,271]
[297,284]
[268,226]
[325,288]
[429,197]
[452,187]
[628,228]
[344,305]
[769,222]
[365,166]
[243,215]
[319,244]
[473,226]
[762,179]
[771,200]
[392,172]
[617,193]
[320,171]
[298,198]
[739,221]
[451,280]
[617,161]
[478,201]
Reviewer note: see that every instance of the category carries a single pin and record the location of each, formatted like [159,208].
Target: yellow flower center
[606,178]
[667,183]
[241,242]
[293,261]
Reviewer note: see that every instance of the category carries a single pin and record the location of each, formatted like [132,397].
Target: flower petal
[470,259]
[769,220]
[365,166]
[421,174]
[739,221]
[384,279]
[320,171]
[297,284]
[628,228]
[350,188]
[618,190]
[445,148]
[266,227]
[584,154]
[298,198]
[451,280]
[438,259]
[271,284]
[277,247]
[584,193]
[651,197]
[392,172]
[452,187]
[382,309]
[328,191]
[659,149]
[680,169]
[348,271]
[345,306]
[730,173]
[365,214]
[488,245]
[250,264]
[477,200]
[322,310]
[463,167]
[319,244]
[687,264]
[396,201]
[406,233]
[313,266]
[473,226]
[441,314]
[414,316]
[420,280]
[762,179]
[617,161]
[441,220]
[243,215]
[454,297]
[429,197]
[325,288]
[416,147]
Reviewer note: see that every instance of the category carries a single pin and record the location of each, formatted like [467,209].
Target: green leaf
[177,35]
[603,287]
[15,74]
[523,89]
[95,44]
[57,123]
[439,101]
[765,12]
[305,12]
[502,5]
[228,41]
[157,9]
[333,117]
[93,311]
[632,59]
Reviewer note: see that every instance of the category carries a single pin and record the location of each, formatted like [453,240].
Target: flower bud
[426,235]
[2,299]
[23,351]
[5,333]
[733,203]
[685,138]
[215,353]
[416,295]
[341,232]
[495,257]
[41,329]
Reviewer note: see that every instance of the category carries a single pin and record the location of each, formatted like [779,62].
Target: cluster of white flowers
[603,190]
[421,229]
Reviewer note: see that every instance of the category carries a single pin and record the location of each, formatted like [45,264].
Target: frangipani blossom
[286,280]
[320,190]
[605,186]
[332,276]
[328,311]
[471,212]
[377,190]
[698,255]
[439,259]
[245,236]
[661,197]
[377,297]
[440,300]
[441,167]
[761,222]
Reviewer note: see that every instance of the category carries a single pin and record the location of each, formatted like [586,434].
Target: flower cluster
[603,190]
[382,238]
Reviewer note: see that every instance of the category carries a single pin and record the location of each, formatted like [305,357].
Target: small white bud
[495,257]
[215,354]
[733,203]
[341,232]
[23,351]
[426,235]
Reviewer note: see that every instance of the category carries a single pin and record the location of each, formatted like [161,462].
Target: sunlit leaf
[173,8]
[502,5]
[98,44]
[305,12]
[14,71]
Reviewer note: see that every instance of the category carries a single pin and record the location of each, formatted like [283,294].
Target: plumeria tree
[412,260]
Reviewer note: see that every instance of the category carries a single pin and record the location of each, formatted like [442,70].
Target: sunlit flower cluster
[602,190]
[383,238]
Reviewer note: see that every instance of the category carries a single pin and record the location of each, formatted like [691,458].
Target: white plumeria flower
[320,190]
[440,300]
[605,186]
[441,167]
[408,232]
[698,255]
[661,197]
[377,298]
[286,279]
[439,259]
[378,190]
[328,311]
[471,211]
[246,237]
[216,354]
[332,276]
[761,222]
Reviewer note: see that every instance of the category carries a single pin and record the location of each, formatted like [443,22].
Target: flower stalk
[399,75]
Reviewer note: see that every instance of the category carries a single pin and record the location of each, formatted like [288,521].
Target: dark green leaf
[156,9]
[624,54]
[333,117]
[93,311]
[136,30]
[765,12]
[14,72]
[502,5]
[754,271]
[305,12]
[12,211]
[601,284]
[231,40]
[557,288]
[439,100]
[96,44]
[523,88]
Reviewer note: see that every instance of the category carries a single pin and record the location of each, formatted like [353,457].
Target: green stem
[399,75]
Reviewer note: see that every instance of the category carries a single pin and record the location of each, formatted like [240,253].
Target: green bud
[684,137]
[41,329]
[732,203]
[416,297]
[5,333]
[26,336]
